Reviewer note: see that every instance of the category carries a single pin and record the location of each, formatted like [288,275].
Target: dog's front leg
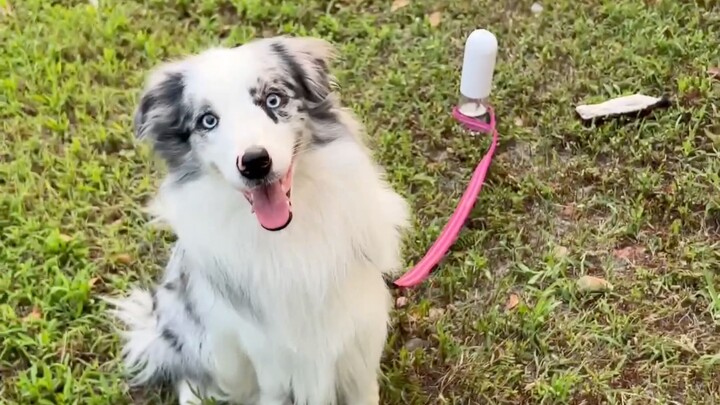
[188,391]
[273,382]
[185,394]
[271,394]
[361,388]
[371,396]
[359,367]
[315,383]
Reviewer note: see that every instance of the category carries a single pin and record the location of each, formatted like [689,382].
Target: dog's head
[243,113]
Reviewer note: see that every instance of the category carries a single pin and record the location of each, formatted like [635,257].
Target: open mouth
[270,202]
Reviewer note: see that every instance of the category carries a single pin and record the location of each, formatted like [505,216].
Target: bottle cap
[478,64]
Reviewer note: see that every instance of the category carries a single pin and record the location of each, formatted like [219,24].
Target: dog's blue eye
[273,100]
[208,121]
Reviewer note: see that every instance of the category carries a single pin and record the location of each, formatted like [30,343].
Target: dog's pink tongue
[272,206]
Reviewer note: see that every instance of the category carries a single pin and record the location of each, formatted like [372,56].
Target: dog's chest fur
[293,298]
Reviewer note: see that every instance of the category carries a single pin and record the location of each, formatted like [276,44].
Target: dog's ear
[164,116]
[308,60]
[160,105]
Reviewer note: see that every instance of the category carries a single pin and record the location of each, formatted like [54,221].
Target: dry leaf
[512,301]
[560,252]
[93,281]
[629,253]
[568,211]
[715,138]
[401,302]
[416,343]
[33,315]
[6,9]
[65,238]
[714,72]
[398,4]
[435,18]
[124,258]
[435,314]
[413,318]
[518,122]
[593,284]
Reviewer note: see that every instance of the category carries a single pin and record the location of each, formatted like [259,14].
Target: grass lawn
[635,202]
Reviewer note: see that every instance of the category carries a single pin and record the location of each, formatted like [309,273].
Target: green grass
[634,202]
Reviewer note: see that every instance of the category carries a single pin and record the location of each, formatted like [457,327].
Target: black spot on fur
[165,118]
[172,339]
[322,111]
[235,294]
[322,66]
[296,145]
[181,285]
[270,113]
[328,127]
[290,87]
[153,295]
[184,281]
[298,74]
[167,94]
[187,300]
[190,312]
[283,114]
[317,140]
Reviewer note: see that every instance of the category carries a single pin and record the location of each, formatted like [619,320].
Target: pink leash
[449,234]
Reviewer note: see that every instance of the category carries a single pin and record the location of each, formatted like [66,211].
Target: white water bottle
[477,73]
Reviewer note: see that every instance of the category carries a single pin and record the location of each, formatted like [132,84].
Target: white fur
[316,313]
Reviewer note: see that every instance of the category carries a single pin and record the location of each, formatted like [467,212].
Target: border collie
[274,291]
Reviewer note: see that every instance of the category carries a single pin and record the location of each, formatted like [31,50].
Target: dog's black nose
[255,164]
